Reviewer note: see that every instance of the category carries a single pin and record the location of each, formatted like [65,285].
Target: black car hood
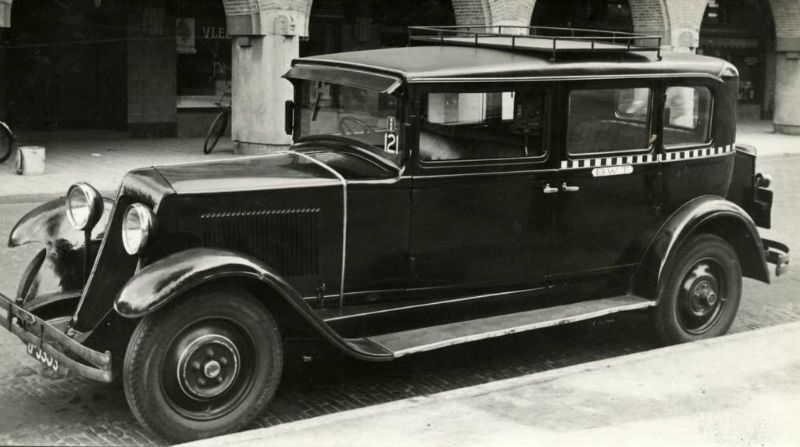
[274,171]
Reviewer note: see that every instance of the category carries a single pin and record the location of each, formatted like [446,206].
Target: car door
[609,179]
[482,215]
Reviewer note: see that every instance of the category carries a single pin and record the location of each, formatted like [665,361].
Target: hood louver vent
[285,239]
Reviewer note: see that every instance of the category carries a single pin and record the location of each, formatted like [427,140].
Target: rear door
[482,217]
[608,179]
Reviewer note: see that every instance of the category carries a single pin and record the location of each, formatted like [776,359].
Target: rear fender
[705,214]
[165,280]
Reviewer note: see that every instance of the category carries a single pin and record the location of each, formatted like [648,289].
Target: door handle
[549,189]
[568,188]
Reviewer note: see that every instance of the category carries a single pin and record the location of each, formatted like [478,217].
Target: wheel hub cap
[208,366]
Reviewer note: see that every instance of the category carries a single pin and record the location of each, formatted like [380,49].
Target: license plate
[46,359]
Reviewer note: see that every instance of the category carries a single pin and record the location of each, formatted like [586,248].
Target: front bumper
[51,346]
[778,254]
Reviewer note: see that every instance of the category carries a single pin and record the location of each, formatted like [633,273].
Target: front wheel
[204,366]
[701,291]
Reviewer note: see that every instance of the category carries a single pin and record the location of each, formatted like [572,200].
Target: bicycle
[217,128]
[7,141]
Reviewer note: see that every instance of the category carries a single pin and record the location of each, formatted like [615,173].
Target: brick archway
[493,12]
[267,17]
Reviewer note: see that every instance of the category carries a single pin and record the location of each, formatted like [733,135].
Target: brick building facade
[181,54]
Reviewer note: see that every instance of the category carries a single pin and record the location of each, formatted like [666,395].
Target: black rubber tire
[216,131]
[668,317]
[146,373]
[5,152]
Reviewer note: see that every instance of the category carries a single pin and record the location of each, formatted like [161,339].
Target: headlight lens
[137,225]
[84,206]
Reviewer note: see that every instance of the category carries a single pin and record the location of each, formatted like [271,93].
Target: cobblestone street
[35,410]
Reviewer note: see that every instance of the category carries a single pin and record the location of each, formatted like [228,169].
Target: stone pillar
[787,91]
[685,18]
[259,92]
[786,14]
[5,13]
[265,38]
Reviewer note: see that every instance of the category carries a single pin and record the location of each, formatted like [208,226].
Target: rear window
[687,116]
[609,120]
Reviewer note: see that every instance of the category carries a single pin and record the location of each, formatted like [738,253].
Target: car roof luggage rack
[544,39]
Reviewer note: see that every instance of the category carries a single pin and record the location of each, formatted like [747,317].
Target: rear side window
[482,125]
[687,116]
[609,120]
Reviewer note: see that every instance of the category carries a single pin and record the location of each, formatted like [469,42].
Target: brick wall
[649,17]
[786,14]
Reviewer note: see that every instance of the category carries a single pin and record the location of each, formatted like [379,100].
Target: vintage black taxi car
[474,184]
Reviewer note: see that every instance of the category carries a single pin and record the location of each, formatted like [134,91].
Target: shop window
[483,125]
[204,49]
[609,120]
[687,116]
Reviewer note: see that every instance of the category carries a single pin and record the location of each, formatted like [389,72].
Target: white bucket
[30,160]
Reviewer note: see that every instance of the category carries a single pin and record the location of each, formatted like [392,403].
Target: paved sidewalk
[98,157]
[742,389]
[103,157]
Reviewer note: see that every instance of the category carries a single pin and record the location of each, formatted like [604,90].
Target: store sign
[185,35]
[214,32]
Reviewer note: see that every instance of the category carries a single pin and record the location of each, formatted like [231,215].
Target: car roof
[449,62]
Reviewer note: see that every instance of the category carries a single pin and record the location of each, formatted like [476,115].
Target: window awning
[345,76]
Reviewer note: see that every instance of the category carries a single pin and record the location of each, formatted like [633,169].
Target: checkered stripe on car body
[624,160]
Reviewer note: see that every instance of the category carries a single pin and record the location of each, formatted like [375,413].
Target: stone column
[259,92]
[787,91]
[264,43]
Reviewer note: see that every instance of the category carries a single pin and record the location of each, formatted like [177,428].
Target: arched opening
[64,65]
[595,14]
[349,25]
[730,31]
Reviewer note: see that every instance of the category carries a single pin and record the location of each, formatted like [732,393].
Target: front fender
[710,214]
[166,279]
[47,223]
[58,269]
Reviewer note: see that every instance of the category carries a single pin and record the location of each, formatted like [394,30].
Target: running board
[442,336]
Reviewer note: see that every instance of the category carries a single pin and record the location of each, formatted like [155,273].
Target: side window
[609,120]
[687,116]
[483,125]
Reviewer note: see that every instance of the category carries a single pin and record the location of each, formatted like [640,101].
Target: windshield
[364,115]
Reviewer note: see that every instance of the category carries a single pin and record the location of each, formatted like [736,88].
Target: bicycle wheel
[6,142]
[216,131]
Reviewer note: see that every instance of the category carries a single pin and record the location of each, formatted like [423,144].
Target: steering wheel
[346,124]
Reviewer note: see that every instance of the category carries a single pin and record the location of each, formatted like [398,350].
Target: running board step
[442,336]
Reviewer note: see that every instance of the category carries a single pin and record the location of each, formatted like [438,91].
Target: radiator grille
[286,239]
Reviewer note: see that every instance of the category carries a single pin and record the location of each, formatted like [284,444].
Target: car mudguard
[711,214]
[166,279]
[58,271]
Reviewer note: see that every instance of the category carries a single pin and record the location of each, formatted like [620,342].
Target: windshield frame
[397,160]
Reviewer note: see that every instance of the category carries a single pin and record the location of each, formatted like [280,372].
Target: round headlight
[137,225]
[84,206]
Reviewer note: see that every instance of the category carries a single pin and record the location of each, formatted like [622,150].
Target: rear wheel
[204,366]
[701,292]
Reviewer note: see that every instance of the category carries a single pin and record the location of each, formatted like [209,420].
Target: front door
[481,194]
[608,181]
